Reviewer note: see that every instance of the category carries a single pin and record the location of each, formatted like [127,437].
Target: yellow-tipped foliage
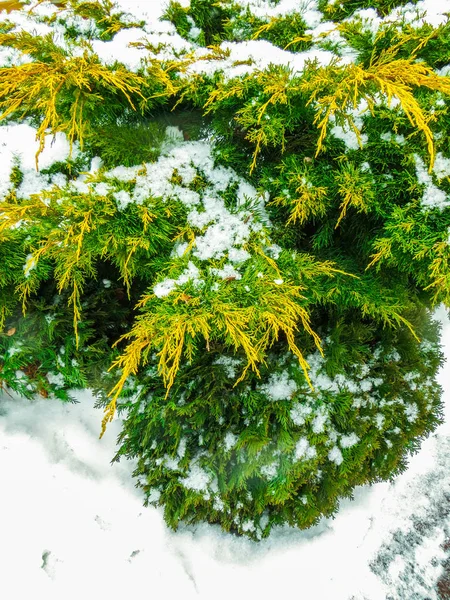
[337,90]
[309,200]
[411,239]
[72,233]
[261,130]
[175,328]
[355,189]
[43,87]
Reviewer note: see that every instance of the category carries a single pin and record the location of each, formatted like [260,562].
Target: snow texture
[279,387]
[433,197]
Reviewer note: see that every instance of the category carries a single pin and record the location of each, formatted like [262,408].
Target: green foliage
[341,9]
[336,90]
[264,108]
[178,15]
[71,168]
[418,244]
[128,144]
[285,32]
[64,92]
[104,16]
[70,253]
[250,461]
[107,20]
[225,20]
[39,355]
[16,176]
[247,323]
[248,272]
[209,17]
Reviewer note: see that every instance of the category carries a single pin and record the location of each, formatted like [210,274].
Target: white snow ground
[73,526]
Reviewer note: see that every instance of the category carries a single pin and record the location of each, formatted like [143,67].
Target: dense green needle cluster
[240,257]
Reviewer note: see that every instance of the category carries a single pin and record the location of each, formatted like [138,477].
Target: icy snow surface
[73,526]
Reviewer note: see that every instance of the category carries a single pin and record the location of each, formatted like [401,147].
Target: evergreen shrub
[240,257]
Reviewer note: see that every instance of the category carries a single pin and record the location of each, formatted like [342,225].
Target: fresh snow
[347,441]
[433,197]
[303,450]
[168,285]
[197,479]
[279,387]
[335,455]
